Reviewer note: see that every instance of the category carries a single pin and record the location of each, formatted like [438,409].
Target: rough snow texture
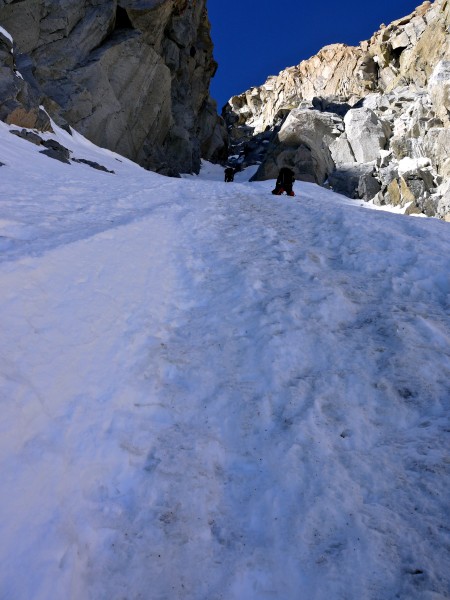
[209,392]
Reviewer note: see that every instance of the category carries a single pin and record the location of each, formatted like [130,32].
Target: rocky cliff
[370,121]
[131,75]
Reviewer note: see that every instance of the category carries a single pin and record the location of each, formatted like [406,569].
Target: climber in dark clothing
[229,174]
[285,181]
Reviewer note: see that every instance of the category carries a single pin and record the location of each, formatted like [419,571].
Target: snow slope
[212,393]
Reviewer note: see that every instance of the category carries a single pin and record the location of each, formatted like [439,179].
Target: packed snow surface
[209,392]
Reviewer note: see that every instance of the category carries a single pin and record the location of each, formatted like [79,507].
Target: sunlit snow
[209,392]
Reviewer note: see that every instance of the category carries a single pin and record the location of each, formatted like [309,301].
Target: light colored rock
[443,207]
[336,71]
[436,145]
[376,101]
[414,117]
[407,194]
[341,151]
[427,30]
[408,50]
[394,193]
[365,133]
[439,89]
[379,199]
[310,126]
[384,158]
[392,94]
[303,144]
[413,209]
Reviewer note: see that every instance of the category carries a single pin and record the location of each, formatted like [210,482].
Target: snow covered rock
[408,166]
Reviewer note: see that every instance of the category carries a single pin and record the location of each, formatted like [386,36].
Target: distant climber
[229,174]
[285,181]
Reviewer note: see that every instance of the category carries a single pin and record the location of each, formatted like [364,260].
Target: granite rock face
[303,142]
[366,134]
[130,75]
[386,100]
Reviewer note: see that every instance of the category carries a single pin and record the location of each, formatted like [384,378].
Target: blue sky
[257,38]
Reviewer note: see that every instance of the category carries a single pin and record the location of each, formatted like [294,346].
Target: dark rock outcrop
[55,150]
[19,101]
[130,75]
